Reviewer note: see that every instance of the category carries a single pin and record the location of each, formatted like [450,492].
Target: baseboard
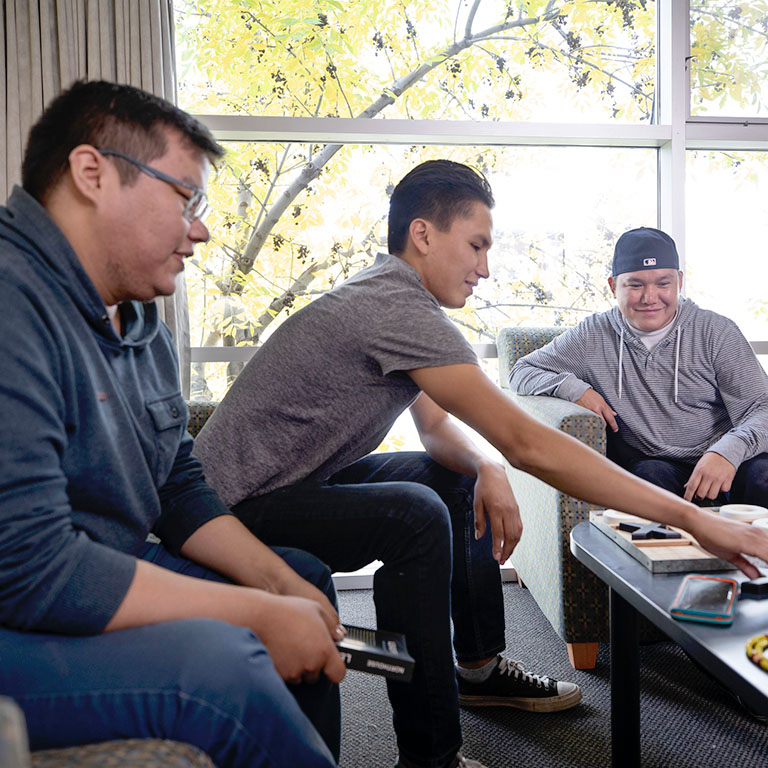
[363,579]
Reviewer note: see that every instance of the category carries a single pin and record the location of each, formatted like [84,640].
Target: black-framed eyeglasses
[197,203]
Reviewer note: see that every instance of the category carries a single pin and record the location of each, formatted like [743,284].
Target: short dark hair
[108,116]
[438,191]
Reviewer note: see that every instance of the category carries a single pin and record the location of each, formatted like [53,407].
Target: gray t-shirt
[326,387]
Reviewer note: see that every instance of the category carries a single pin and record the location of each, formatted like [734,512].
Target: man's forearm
[556,458]
[444,440]
[297,633]
[157,594]
[227,546]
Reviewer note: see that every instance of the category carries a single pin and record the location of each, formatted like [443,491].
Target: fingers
[703,487]
[335,668]
[331,619]
[479,519]
[610,418]
[514,532]
[506,530]
[497,531]
[743,564]
[692,486]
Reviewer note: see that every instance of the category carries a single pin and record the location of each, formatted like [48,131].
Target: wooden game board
[683,555]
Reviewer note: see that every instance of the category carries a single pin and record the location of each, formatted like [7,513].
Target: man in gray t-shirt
[287,450]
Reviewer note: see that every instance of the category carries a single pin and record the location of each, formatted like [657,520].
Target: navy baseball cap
[644,248]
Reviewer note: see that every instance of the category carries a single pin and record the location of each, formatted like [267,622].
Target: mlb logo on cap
[649,262]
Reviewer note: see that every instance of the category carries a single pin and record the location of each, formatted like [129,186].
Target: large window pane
[439,59]
[558,213]
[729,58]
[727,232]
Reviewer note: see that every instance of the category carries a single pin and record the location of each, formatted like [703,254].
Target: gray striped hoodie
[700,389]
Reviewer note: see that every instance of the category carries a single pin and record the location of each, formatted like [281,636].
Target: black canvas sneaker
[509,685]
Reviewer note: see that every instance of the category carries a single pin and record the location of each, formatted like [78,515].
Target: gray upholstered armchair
[570,596]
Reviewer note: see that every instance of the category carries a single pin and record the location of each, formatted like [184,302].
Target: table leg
[625,684]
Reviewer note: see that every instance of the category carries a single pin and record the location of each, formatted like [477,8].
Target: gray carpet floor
[687,719]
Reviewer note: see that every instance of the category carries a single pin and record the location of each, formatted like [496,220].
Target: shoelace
[517,670]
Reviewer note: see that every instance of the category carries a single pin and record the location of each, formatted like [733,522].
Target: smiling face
[454,261]
[648,299]
[148,236]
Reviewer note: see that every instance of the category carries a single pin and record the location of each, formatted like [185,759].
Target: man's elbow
[523,451]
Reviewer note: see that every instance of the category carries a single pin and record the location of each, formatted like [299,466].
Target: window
[727,215]
[729,58]
[579,117]
[442,59]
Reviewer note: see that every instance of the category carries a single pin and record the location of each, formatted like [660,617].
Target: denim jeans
[749,486]
[417,518]
[199,681]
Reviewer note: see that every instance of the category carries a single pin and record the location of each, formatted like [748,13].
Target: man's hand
[293,585]
[728,539]
[711,475]
[594,401]
[227,546]
[298,636]
[494,499]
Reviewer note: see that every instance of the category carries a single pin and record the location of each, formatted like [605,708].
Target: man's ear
[87,168]
[419,233]
[612,286]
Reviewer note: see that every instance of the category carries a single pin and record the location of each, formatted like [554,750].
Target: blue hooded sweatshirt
[94,452]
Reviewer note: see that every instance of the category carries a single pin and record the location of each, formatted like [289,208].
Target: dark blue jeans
[417,518]
[199,681]
[750,484]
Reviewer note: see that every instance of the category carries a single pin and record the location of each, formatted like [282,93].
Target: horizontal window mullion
[375,131]
[243,354]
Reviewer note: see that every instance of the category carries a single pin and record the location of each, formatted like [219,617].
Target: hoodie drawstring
[621,357]
[677,359]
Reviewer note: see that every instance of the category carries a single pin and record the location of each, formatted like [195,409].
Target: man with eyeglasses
[104,634]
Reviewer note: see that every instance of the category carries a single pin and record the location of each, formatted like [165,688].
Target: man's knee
[751,482]
[661,473]
[423,509]
[311,568]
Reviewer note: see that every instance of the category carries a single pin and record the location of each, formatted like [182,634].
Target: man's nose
[198,232]
[482,266]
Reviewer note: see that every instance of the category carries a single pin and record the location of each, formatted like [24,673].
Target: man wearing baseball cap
[680,389]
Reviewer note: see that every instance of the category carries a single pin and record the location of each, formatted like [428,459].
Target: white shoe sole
[543,704]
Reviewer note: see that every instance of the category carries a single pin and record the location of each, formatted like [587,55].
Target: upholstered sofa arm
[14,748]
[564,416]
[199,412]
[127,753]
[569,595]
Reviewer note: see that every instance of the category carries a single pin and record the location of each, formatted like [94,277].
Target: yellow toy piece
[756,648]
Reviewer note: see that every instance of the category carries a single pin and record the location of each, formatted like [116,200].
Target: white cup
[761,522]
[744,512]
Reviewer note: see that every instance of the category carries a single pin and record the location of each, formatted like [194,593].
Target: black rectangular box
[377,652]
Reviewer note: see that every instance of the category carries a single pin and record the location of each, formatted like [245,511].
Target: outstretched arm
[567,464]
[493,497]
